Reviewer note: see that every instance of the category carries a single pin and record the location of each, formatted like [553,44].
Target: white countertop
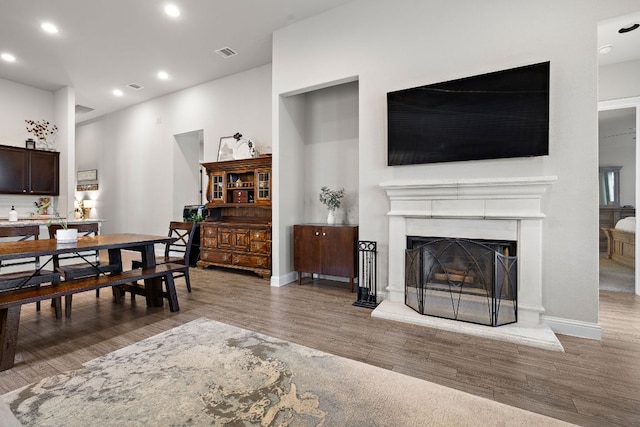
[4,222]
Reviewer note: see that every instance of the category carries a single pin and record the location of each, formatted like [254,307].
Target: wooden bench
[12,300]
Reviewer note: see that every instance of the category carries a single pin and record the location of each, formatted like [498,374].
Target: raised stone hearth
[499,209]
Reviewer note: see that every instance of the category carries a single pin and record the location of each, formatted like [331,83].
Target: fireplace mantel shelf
[496,198]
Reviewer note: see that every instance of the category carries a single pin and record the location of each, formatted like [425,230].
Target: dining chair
[81,269]
[178,251]
[26,272]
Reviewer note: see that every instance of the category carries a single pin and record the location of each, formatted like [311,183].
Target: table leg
[115,258]
[152,287]
[9,321]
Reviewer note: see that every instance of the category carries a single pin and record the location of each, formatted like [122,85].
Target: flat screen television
[490,116]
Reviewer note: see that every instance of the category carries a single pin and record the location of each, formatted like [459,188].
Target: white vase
[67,235]
[331,218]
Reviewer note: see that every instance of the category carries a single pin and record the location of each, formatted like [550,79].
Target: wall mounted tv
[489,116]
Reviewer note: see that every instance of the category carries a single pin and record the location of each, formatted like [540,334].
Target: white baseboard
[285,279]
[574,328]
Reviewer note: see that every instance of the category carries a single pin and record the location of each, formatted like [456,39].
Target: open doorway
[187,179]
[617,194]
[618,68]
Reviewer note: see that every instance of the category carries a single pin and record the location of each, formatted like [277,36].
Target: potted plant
[64,234]
[331,199]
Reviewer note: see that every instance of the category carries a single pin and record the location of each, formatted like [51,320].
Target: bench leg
[172,296]
[153,291]
[9,321]
[67,305]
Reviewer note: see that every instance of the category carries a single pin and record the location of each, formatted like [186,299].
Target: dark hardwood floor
[593,383]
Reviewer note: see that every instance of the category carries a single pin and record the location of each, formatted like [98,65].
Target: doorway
[187,177]
[617,188]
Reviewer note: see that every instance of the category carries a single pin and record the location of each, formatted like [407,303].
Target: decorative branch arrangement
[331,198]
[44,131]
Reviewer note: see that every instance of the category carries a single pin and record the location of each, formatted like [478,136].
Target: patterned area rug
[209,373]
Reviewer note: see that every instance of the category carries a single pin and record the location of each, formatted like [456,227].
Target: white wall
[18,103]
[619,80]
[133,149]
[400,44]
[331,151]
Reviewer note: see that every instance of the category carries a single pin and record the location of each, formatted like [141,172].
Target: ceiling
[625,46]
[104,45]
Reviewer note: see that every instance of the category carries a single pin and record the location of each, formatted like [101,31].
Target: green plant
[196,217]
[331,198]
[58,220]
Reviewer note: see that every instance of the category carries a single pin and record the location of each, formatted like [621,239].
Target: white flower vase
[331,218]
[68,235]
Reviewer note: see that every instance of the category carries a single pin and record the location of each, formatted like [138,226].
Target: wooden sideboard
[326,249]
[237,231]
[609,216]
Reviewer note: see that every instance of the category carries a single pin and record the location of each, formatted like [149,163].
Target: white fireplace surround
[497,209]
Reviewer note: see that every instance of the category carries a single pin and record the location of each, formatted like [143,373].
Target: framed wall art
[88,175]
[234,148]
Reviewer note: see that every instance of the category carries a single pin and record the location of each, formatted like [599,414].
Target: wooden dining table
[112,243]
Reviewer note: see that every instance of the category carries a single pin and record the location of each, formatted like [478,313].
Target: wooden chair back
[84,229]
[181,247]
[20,233]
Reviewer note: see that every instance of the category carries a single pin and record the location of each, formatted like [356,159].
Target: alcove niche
[319,147]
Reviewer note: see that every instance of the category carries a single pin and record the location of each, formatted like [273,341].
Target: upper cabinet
[32,172]
[239,183]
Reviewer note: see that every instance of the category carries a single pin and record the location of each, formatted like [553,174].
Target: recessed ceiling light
[605,49]
[117,92]
[49,27]
[163,75]
[8,57]
[172,10]
[628,28]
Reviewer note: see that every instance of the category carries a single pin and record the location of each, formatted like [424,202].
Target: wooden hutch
[237,232]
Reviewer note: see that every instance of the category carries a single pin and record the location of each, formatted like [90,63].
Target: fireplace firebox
[467,280]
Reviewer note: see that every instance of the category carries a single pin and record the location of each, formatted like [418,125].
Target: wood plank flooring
[594,383]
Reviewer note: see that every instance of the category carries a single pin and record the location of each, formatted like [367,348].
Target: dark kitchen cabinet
[32,172]
[326,249]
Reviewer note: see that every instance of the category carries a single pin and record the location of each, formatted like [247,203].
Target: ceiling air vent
[135,86]
[81,109]
[226,52]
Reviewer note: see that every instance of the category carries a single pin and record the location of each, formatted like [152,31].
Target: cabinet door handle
[324,234]
[317,233]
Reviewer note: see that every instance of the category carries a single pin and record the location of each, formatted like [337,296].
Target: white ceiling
[625,47]
[107,44]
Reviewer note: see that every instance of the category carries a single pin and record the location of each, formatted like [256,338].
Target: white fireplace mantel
[499,208]
[499,198]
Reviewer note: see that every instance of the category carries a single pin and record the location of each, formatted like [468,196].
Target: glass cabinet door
[217,188]
[264,185]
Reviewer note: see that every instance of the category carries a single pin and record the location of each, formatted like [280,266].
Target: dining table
[112,243]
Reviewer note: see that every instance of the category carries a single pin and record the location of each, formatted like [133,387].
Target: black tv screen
[489,116]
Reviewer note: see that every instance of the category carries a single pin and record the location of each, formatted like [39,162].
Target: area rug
[209,373]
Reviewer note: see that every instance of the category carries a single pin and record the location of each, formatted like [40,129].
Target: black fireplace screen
[468,280]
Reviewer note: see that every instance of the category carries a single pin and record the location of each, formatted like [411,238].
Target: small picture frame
[30,144]
[232,148]
[88,175]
